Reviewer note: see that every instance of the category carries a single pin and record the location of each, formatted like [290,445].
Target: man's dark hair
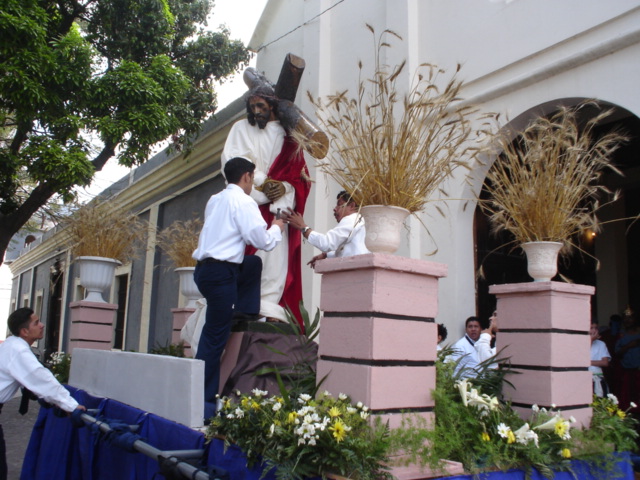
[19,320]
[346,196]
[442,332]
[266,92]
[236,167]
[472,319]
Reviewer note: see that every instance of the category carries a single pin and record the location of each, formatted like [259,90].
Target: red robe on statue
[290,167]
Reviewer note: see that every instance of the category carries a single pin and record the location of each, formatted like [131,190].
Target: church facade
[519,58]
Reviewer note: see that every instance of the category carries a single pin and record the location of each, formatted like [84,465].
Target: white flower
[303,398]
[327,393]
[351,410]
[364,415]
[272,429]
[572,419]
[503,430]
[312,441]
[463,388]
[359,404]
[259,393]
[553,405]
[632,405]
[276,407]
[524,435]
[231,416]
[301,441]
[239,412]
[342,396]
[535,408]
[613,398]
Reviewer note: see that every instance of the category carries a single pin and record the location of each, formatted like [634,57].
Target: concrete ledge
[170,387]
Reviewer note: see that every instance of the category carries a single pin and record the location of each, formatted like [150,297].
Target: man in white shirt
[344,240]
[20,367]
[229,280]
[464,350]
[281,181]
[600,358]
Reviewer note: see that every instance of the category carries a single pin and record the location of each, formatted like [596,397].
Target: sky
[241,17]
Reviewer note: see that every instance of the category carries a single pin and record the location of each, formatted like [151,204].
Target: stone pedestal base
[378,336]
[91,325]
[180,317]
[544,328]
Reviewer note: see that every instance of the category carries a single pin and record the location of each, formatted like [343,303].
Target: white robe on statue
[262,146]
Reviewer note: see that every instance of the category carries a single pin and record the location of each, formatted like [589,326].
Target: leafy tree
[82,81]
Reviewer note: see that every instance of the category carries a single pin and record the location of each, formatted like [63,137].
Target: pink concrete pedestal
[544,328]
[180,317]
[378,336]
[91,325]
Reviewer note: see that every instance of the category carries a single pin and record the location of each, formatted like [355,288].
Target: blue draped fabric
[59,451]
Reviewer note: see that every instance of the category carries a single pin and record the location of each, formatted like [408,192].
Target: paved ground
[17,431]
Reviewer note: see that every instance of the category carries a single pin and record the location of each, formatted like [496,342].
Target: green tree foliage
[82,81]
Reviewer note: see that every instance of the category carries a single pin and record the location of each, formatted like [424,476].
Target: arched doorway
[617,280]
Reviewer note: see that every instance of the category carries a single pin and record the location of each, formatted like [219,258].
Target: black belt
[210,260]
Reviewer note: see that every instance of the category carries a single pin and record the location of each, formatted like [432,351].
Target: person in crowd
[600,358]
[344,240]
[19,367]
[485,346]
[628,351]
[227,278]
[442,335]
[464,352]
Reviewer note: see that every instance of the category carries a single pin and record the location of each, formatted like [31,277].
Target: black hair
[442,332]
[266,92]
[236,167]
[472,319]
[346,196]
[19,320]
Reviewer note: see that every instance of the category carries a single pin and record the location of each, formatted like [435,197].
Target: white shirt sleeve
[34,376]
[483,347]
[253,231]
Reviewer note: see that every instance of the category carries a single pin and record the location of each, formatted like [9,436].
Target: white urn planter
[542,259]
[96,275]
[188,286]
[383,224]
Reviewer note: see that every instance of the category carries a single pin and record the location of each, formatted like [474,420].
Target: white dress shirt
[464,350]
[231,221]
[19,366]
[344,240]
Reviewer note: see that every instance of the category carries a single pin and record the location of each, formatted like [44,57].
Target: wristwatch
[305,230]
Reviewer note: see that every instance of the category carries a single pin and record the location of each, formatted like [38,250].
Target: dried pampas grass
[179,240]
[546,184]
[104,230]
[390,149]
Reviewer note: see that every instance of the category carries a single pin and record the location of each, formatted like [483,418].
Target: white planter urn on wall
[188,286]
[383,225]
[96,275]
[542,259]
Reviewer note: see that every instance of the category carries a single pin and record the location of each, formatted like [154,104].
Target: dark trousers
[227,287]
[3,454]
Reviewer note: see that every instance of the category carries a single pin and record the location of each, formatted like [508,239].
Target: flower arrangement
[390,149]
[546,185]
[179,240]
[484,433]
[60,365]
[304,436]
[104,230]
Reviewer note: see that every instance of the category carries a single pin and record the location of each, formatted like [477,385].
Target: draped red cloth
[290,167]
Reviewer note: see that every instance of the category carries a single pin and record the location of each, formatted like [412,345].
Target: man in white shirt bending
[20,367]
[344,240]
[229,280]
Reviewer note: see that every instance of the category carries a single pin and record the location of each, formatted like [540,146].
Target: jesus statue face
[262,111]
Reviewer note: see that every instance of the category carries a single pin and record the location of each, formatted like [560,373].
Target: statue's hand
[273,189]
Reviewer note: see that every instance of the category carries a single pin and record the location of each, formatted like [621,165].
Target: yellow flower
[334,412]
[621,414]
[255,405]
[511,438]
[566,453]
[485,436]
[611,410]
[292,417]
[244,402]
[226,404]
[338,430]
